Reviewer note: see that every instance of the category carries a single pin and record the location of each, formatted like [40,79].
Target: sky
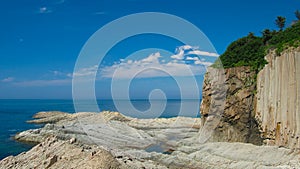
[40,41]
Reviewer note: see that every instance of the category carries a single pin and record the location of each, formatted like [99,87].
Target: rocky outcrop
[112,129]
[117,143]
[255,108]
[55,116]
[227,107]
[278,99]
[222,155]
[58,154]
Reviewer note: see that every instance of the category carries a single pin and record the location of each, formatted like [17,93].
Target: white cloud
[185,50]
[100,13]
[44,10]
[86,71]
[153,66]
[186,47]
[153,58]
[202,53]
[192,58]
[8,79]
[57,73]
[39,83]
[199,62]
[179,55]
[61,1]
[180,52]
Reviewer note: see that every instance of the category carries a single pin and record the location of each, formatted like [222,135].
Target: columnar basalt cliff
[263,109]
[237,115]
[278,99]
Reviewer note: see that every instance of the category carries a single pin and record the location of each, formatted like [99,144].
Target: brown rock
[228,99]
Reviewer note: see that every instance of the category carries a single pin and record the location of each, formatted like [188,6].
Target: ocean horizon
[15,113]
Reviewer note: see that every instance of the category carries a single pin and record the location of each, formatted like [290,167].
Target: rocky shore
[112,140]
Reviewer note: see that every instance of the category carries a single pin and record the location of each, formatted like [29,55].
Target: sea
[14,113]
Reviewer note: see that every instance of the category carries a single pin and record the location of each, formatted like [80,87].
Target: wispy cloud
[192,58]
[198,61]
[8,79]
[55,78]
[180,52]
[100,13]
[60,74]
[185,50]
[202,53]
[44,10]
[88,71]
[59,78]
[185,62]
[156,65]
[43,83]
[60,1]
[51,5]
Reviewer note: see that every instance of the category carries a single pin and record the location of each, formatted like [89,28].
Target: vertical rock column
[278,99]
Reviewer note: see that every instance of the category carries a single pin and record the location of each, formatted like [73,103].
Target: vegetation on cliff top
[251,50]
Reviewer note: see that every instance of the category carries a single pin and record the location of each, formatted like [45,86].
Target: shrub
[251,50]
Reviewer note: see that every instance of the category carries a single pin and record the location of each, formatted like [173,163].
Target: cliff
[230,98]
[278,99]
[265,110]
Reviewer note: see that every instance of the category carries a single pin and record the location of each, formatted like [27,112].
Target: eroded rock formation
[278,99]
[230,98]
[58,154]
[66,147]
[258,110]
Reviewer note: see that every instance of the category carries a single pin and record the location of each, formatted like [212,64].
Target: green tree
[251,35]
[280,22]
[297,14]
[267,35]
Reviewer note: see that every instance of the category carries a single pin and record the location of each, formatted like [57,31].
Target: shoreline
[16,112]
[126,142]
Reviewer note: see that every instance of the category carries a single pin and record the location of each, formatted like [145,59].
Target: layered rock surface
[111,129]
[54,153]
[278,99]
[117,141]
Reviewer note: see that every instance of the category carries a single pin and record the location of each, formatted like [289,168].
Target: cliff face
[264,112]
[278,99]
[230,99]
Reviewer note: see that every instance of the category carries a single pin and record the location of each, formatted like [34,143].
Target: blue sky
[41,40]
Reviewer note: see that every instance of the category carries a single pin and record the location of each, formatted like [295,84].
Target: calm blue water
[15,113]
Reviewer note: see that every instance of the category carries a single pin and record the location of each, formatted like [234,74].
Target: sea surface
[14,114]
